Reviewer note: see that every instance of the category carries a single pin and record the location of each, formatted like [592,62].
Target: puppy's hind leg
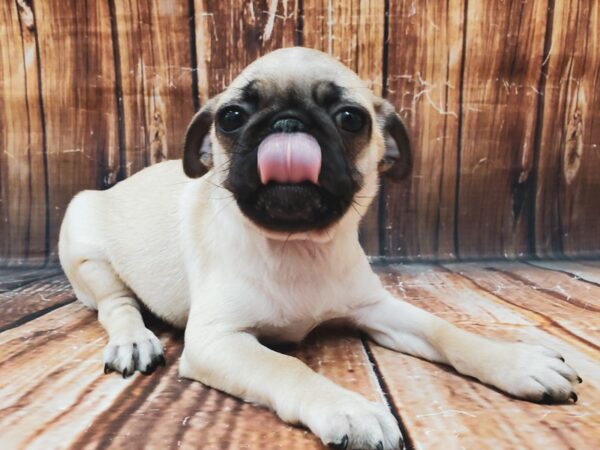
[131,345]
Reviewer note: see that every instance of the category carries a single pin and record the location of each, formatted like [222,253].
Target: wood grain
[60,352]
[499,102]
[14,278]
[53,393]
[567,210]
[22,165]
[591,263]
[229,36]
[353,32]
[193,416]
[27,302]
[424,81]
[442,409]
[154,43]
[556,300]
[79,95]
[586,272]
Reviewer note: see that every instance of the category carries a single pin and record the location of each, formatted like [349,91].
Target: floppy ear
[197,147]
[397,159]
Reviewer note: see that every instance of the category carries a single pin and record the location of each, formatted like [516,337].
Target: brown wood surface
[155,66]
[353,32]
[501,100]
[442,409]
[425,52]
[14,278]
[53,393]
[79,96]
[555,299]
[22,159]
[579,270]
[230,35]
[26,302]
[568,181]
[498,119]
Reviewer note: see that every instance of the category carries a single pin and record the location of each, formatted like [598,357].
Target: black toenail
[574,397]
[579,379]
[546,399]
[161,360]
[562,359]
[379,446]
[150,368]
[107,369]
[342,445]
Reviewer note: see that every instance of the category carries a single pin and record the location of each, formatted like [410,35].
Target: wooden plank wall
[502,100]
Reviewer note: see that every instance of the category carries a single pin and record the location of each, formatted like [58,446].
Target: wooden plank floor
[53,393]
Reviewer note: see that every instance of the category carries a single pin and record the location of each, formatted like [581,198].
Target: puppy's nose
[288,125]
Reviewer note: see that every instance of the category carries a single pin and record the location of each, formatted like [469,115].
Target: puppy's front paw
[140,350]
[352,422]
[536,373]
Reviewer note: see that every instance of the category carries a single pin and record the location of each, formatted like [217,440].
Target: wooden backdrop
[502,99]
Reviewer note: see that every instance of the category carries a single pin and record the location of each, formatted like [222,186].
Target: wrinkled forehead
[298,73]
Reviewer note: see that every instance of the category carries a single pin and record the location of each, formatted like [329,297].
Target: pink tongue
[289,158]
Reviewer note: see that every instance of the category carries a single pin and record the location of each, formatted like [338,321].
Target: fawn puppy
[253,237]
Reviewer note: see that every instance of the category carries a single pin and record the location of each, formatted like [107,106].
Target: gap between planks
[462,415]
[66,394]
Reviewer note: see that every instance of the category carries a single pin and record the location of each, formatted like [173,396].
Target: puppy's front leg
[531,372]
[131,345]
[235,362]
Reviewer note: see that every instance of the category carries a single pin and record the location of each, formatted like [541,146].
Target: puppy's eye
[350,119]
[232,118]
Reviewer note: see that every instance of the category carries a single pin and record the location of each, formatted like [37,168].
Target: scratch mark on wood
[271,21]
[330,23]
[26,15]
[446,412]
[574,140]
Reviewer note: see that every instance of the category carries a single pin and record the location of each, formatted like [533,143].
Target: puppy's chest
[293,332]
[292,309]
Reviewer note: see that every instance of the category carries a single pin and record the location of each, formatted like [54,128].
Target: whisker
[366,196]
[221,198]
[216,185]
[314,245]
[358,203]
[356,210]
[284,245]
[219,212]
[180,182]
[223,170]
[328,234]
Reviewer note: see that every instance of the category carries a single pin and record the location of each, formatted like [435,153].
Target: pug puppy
[254,238]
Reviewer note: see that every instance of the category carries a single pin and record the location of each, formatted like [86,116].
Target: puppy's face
[297,138]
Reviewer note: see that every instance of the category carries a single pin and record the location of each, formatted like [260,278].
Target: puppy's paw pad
[134,351]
